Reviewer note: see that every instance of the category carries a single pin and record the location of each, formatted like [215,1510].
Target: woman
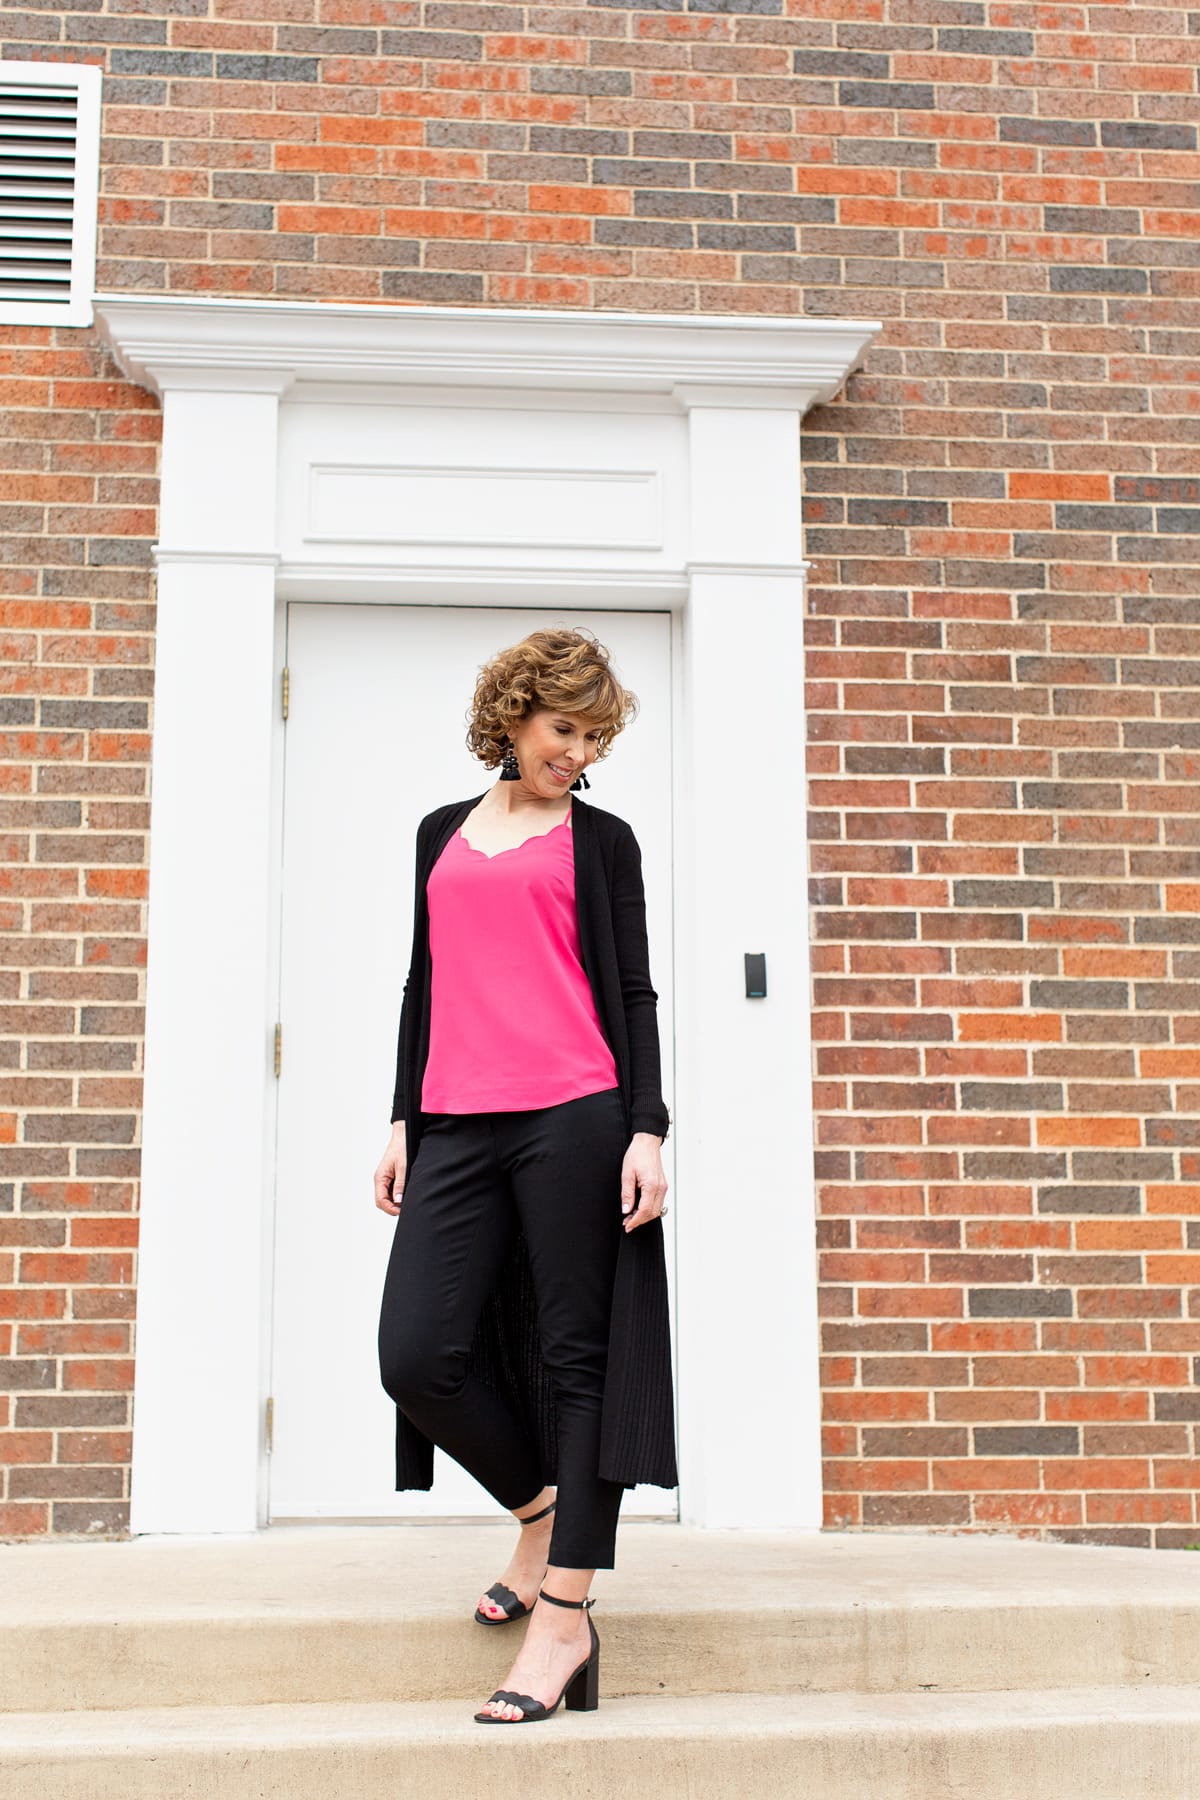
[524,1325]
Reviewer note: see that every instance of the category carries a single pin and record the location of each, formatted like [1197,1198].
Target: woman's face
[552,747]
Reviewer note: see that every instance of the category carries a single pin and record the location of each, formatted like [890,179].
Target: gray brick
[454,46]
[501,166]
[626,172]
[763,238]
[144,152]
[954,41]
[857,480]
[572,140]
[80,1128]
[544,80]
[1176,1406]
[94,715]
[865,271]
[957,484]
[805,271]
[1014,1165]
[1021,1097]
[461,15]
[887,96]
[1184,519]
[866,34]
[474,134]
[883,511]
[1072,132]
[1178,928]
[770,7]
[20,1373]
[1045,309]
[1095,221]
[1026,1440]
[133,90]
[1123,1165]
[1079,996]
[217,215]
[688,203]
[743,176]
[113,30]
[800,210]
[426,284]
[17,711]
[328,40]
[195,63]
[1152,253]
[1070,278]
[268,68]
[994,575]
[1079,1197]
[1020,1303]
[690,144]
[1009,892]
[1129,134]
[841,64]
[1072,517]
[1151,672]
[1155,550]
[259,185]
[664,234]
[119,552]
[875,152]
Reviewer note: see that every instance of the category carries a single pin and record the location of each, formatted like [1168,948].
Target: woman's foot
[527,1565]
[557,1640]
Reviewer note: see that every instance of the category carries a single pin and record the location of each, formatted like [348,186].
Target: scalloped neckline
[535,838]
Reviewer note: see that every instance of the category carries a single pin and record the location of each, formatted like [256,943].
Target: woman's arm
[398,1100]
[649,1111]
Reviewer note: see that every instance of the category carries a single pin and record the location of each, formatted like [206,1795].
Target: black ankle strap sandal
[581,1690]
[513,1605]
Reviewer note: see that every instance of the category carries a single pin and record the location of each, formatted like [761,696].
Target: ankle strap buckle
[555,1601]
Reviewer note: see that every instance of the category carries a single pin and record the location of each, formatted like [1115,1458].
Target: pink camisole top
[513,1024]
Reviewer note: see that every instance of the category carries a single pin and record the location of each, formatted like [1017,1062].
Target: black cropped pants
[555,1170]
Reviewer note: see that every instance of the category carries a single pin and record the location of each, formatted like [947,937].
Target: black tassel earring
[509,768]
[581,781]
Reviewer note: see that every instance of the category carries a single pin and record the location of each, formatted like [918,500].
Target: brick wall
[1004,678]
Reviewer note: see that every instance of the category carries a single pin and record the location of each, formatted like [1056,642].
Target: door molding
[253,394]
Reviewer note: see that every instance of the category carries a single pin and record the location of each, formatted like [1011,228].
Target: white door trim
[713,405]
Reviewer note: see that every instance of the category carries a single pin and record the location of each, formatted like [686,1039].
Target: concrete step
[353,1614]
[1094,1743]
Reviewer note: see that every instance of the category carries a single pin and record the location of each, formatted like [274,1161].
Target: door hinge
[278,1048]
[270,1423]
[286,690]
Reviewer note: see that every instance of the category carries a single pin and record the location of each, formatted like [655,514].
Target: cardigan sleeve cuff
[651,1116]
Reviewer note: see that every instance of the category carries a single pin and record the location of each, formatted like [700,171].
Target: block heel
[581,1690]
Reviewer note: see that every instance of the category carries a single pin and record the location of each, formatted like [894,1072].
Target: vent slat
[13,213]
[15,240]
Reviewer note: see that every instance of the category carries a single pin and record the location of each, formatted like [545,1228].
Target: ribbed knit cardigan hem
[637,1441]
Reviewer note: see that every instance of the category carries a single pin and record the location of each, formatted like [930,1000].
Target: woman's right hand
[392,1170]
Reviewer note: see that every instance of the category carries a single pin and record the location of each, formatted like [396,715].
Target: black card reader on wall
[756,976]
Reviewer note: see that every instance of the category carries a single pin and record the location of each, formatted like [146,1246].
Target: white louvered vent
[49,166]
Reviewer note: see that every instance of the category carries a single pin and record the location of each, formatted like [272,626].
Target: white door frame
[726,556]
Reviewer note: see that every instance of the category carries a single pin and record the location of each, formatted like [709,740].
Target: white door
[379,696]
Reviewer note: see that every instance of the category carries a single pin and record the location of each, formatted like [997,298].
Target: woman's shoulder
[436,821]
[441,814]
[609,827]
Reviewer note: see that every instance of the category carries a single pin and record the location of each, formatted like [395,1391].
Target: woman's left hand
[642,1169]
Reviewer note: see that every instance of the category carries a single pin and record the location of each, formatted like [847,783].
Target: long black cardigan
[637,1441]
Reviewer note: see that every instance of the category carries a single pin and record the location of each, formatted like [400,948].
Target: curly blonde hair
[559,670]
